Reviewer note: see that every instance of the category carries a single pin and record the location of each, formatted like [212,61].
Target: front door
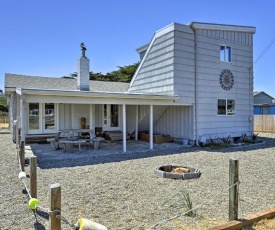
[111,115]
[41,118]
[49,118]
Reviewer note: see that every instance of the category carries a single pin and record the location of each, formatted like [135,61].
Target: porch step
[115,136]
[39,138]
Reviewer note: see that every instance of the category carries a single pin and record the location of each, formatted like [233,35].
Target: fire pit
[177,172]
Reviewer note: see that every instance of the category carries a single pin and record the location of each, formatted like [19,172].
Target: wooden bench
[96,141]
[72,142]
[53,142]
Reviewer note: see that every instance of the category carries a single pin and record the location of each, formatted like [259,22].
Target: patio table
[92,139]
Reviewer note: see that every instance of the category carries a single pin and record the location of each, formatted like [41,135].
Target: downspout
[250,118]
[196,96]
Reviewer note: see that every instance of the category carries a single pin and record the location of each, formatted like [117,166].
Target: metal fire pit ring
[165,171]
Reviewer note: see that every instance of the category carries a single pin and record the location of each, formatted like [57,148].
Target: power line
[264,51]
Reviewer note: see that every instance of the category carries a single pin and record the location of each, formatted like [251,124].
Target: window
[226,107]
[225,53]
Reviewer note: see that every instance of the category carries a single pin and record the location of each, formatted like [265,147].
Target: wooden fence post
[18,137]
[33,176]
[22,155]
[55,206]
[233,191]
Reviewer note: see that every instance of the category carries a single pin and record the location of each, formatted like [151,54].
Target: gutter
[96,94]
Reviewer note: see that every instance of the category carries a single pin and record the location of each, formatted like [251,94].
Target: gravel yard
[121,191]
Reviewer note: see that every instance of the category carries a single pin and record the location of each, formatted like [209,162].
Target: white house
[194,81]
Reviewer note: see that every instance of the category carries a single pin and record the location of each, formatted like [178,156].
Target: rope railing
[55,214]
[190,210]
[55,206]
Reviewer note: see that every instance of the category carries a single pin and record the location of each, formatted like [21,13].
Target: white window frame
[226,107]
[225,58]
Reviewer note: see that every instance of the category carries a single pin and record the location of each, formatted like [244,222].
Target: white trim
[23,119]
[224,27]
[98,94]
[142,48]
[56,124]
[110,100]
[225,115]
[43,119]
[224,58]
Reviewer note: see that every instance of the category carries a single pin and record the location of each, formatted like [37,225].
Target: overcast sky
[42,38]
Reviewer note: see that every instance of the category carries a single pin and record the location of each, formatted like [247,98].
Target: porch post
[124,126]
[92,117]
[23,117]
[72,116]
[151,127]
[136,132]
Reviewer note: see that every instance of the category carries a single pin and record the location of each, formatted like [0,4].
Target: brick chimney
[83,71]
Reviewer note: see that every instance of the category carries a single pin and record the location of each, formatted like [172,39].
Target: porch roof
[97,97]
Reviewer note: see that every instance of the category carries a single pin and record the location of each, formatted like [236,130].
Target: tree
[3,105]
[123,74]
[71,76]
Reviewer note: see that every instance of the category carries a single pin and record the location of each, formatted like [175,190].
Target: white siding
[156,72]
[176,121]
[98,115]
[209,68]
[80,111]
[169,68]
[184,65]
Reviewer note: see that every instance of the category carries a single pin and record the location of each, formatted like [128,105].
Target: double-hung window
[225,53]
[226,107]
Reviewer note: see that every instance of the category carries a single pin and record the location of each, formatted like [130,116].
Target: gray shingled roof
[35,82]
[258,92]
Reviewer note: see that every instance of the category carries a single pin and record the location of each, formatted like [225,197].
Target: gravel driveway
[122,191]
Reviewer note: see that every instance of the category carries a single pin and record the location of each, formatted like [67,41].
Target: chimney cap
[83,48]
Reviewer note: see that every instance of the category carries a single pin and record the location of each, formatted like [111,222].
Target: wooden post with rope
[33,176]
[233,189]
[55,207]
[18,137]
[22,155]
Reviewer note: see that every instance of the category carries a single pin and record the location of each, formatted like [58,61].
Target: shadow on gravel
[89,159]
[38,226]
[37,215]
[47,159]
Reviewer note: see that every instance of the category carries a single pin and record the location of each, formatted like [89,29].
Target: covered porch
[107,152]
[45,112]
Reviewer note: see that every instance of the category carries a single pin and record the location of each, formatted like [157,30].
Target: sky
[42,38]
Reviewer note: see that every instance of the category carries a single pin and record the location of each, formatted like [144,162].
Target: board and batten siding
[176,121]
[65,116]
[209,68]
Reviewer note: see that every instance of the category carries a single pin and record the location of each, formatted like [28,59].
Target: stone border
[165,172]
[239,224]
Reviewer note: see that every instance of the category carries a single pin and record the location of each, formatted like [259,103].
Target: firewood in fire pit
[180,170]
